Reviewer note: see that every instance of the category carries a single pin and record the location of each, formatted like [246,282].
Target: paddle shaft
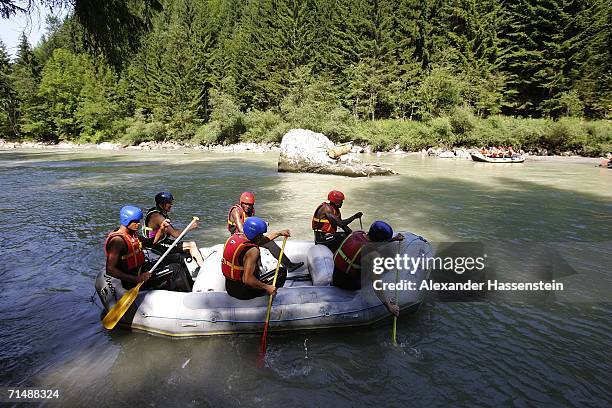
[265,331]
[399,246]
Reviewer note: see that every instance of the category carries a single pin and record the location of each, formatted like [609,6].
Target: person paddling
[243,279]
[125,259]
[347,259]
[236,217]
[327,218]
[155,217]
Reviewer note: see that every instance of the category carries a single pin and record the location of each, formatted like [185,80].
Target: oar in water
[264,336]
[118,310]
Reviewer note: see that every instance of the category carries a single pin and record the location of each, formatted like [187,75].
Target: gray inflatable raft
[307,301]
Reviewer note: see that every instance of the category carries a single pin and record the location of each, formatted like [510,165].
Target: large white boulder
[305,151]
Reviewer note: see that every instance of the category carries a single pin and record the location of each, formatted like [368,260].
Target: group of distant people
[125,259]
[498,151]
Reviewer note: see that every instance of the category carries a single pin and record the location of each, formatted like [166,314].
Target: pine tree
[62,82]
[591,70]
[25,79]
[8,97]
[535,57]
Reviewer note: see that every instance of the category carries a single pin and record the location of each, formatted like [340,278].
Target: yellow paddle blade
[118,310]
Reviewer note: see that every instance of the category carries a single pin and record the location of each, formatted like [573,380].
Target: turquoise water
[57,207]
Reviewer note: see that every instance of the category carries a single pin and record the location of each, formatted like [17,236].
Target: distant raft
[479,157]
[307,301]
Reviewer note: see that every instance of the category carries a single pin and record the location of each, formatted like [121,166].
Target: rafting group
[240,263]
[499,152]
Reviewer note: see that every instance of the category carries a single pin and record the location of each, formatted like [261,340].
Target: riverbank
[259,148]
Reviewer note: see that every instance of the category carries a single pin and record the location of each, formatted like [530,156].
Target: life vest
[148,231]
[134,257]
[347,258]
[320,223]
[231,225]
[232,263]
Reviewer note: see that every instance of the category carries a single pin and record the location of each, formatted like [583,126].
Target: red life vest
[232,263]
[134,257]
[231,225]
[347,258]
[320,223]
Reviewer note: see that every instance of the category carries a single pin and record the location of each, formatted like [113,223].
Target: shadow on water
[459,353]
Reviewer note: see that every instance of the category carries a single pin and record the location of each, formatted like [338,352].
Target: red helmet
[247,198]
[335,197]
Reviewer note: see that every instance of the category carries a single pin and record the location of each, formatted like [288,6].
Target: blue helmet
[128,214]
[163,197]
[253,226]
[380,231]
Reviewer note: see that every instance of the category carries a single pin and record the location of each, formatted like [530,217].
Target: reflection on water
[58,206]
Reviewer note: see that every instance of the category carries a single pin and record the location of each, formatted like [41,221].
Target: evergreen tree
[8,98]
[591,70]
[62,82]
[171,71]
[100,103]
[535,56]
[25,79]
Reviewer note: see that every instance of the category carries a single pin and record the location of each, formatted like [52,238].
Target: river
[58,206]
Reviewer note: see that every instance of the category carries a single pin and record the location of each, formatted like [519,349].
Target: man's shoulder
[116,242]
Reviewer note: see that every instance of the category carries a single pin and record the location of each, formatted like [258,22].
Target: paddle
[399,246]
[264,336]
[118,310]
[360,224]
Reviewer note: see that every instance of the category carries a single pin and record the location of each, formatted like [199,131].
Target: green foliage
[63,79]
[226,121]
[440,92]
[8,98]
[221,71]
[138,130]
[265,126]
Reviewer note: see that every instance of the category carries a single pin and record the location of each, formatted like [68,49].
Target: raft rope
[261,321]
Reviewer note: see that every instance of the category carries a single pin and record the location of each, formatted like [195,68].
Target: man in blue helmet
[155,216]
[126,261]
[347,259]
[239,264]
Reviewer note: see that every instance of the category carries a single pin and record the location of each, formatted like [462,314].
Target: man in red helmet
[327,219]
[240,212]
[236,216]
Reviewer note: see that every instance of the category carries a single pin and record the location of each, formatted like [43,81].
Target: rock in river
[304,151]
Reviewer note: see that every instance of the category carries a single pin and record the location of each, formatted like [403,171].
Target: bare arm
[158,219]
[248,277]
[339,222]
[271,236]
[236,219]
[149,242]
[115,247]
[398,237]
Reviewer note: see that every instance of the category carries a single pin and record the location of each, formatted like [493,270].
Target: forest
[534,74]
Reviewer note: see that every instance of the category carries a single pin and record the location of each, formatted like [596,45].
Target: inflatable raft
[307,301]
[479,157]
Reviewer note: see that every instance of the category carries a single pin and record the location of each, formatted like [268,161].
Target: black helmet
[163,198]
